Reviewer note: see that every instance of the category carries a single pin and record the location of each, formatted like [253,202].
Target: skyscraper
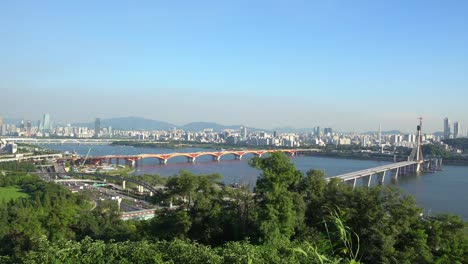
[243,132]
[46,127]
[1,120]
[22,126]
[97,127]
[456,130]
[446,128]
[318,131]
[28,127]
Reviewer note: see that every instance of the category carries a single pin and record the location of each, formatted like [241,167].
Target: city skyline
[268,64]
[96,122]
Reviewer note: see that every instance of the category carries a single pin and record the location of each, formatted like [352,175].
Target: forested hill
[458,143]
[292,218]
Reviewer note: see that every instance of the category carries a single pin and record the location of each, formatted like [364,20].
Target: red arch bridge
[132,160]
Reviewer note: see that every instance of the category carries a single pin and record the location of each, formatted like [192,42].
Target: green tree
[169,225]
[277,215]
[183,186]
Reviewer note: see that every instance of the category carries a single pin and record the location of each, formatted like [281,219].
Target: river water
[445,191]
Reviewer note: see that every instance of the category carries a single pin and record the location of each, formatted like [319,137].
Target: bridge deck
[372,171]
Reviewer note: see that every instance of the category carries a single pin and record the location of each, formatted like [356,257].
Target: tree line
[288,217]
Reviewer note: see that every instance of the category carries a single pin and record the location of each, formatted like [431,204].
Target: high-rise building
[243,132]
[318,131]
[28,126]
[456,130]
[446,128]
[1,120]
[3,130]
[46,127]
[97,127]
[22,126]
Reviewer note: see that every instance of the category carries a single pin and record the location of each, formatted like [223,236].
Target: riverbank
[379,157]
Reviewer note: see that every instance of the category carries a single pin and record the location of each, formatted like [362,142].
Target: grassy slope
[11,192]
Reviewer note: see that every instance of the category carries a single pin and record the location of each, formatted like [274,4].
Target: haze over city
[346,65]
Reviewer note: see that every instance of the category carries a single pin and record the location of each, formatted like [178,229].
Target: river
[441,192]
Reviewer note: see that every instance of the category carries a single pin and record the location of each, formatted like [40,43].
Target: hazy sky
[344,64]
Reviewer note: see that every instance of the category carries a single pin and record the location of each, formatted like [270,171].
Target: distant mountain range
[149,124]
[293,130]
[389,132]
[130,123]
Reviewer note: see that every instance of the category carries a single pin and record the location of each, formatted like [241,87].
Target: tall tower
[456,130]
[46,123]
[446,128]
[243,132]
[419,155]
[97,127]
[22,126]
[380,138]
[28,127]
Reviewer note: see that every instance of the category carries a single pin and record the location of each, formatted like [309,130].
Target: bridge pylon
[416,153]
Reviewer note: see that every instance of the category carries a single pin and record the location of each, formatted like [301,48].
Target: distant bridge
[415,163]
[84,141]
[398,169]
[191,157]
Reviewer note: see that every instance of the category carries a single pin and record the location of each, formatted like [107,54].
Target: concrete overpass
[20,157]
[140,185]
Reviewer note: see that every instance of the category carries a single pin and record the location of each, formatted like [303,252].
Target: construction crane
[86,157]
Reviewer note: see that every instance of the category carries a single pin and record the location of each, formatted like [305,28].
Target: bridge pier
[237,157]
[117,161]
[257,155]
[191,159]
[438,164]
[395,177]
[162,161]
[417,167]
[369,180]
[354,183]
[216,158]
[382,178]
[123,185]
[402,171]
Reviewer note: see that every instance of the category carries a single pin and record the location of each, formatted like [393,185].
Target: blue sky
[344,64]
